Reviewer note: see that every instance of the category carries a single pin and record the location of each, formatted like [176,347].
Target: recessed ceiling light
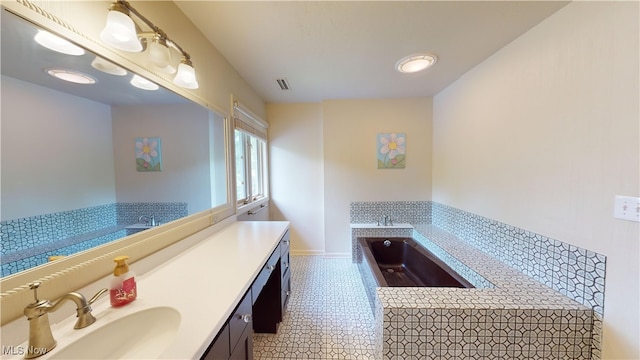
[416,62]
[56,43]
[71,76]
[142,83]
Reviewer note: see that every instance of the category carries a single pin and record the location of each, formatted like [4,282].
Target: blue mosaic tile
[28,242]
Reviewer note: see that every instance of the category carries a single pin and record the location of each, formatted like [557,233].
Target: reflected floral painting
[391,150]
[148,154]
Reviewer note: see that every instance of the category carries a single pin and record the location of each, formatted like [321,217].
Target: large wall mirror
[87,164]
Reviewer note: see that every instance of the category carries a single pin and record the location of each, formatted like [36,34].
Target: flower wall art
[148,154]
[391,150]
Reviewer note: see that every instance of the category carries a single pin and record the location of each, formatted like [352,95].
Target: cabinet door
[244,348]
[219,348]
[240,320]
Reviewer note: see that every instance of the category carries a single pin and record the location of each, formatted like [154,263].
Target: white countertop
[204,283]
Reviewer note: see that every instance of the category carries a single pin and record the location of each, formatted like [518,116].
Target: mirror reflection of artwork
[148,154]
[391,150]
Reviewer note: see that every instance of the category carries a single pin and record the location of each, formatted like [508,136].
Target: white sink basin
[142,335]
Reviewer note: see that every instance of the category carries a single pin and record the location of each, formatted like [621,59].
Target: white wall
[184,133]
[350,128]
[46,167]
[296,173]
[544,134]
[323,157]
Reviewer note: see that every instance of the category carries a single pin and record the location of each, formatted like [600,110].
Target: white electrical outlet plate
[627,208]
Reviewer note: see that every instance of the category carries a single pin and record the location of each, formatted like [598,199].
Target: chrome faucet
[385,220]
[41,339]
[149,220]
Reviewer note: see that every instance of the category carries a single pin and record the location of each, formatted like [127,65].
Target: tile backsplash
[28,242]
[575,272]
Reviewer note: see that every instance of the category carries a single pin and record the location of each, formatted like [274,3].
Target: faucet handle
[37,307]
[97,295]
[34,286]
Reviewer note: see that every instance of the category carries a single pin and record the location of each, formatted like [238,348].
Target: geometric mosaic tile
[515,272]
[28,242]
[328,315]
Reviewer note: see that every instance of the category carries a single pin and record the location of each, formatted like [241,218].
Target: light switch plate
[627,208]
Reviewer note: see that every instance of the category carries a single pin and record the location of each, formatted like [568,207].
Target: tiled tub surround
[518,318]
[28,242]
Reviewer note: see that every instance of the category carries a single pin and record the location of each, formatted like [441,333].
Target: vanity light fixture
[71,76]
[107,67]
[160,55]
[416,62]
[56,43]
[142,83]
[122,32]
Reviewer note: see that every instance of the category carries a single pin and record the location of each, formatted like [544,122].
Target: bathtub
[402,262]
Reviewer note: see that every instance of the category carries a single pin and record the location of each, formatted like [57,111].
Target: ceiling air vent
[284,85]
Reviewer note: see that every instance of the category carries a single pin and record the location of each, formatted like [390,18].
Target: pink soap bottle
[123,285]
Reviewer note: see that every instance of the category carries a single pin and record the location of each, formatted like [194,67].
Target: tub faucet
[41,339]
[148,220]
[385,220]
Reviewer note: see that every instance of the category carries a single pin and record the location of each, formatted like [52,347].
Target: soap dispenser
[123,284]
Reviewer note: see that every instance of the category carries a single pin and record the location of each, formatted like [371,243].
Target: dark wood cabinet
[269,305]
[219,348]
[260,310]
[235,340]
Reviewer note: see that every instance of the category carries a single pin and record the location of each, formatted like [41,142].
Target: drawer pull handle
[271,267]
[287,242]
[286,265]
[246,318]
[288,292]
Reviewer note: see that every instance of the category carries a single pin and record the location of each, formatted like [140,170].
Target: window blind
[246,121]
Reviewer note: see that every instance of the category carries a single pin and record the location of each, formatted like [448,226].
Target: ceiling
[348,49]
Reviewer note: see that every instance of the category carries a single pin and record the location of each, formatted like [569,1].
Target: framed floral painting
[148,154]
[391,150]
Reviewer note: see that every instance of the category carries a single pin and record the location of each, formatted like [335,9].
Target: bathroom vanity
[261,309]
[214,290]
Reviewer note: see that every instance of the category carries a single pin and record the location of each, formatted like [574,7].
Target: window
[250,168]
[251,156]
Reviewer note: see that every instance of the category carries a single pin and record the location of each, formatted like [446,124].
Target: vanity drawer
[285,262]
[286,292]
[265,273]
[240,319]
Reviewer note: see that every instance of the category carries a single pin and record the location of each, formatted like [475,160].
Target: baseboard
[306,252]
[337,255]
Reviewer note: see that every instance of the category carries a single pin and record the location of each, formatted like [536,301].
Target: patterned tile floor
[328,316]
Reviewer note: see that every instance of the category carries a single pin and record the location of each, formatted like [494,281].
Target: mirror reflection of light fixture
[415,63]
[56,43]
[107,67]
[142,83]
[71,76]
[122,33]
